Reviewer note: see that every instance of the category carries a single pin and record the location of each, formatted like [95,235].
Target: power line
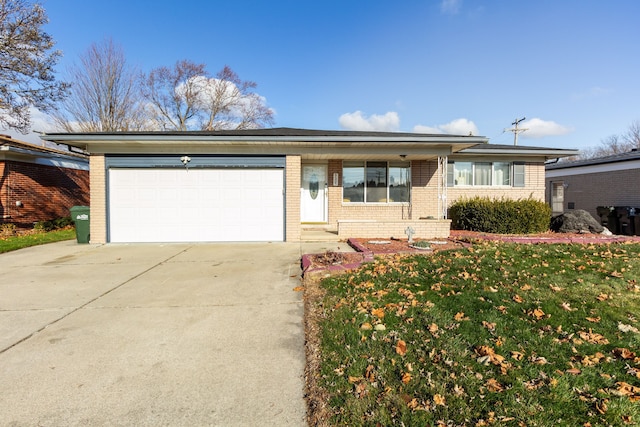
[516,130]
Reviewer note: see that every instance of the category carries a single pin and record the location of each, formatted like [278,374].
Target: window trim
[389,165]
[517,174]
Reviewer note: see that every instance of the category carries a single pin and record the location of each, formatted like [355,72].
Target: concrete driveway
[149,334]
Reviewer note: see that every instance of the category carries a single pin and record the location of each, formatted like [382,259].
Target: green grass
[496,334]
[23,241]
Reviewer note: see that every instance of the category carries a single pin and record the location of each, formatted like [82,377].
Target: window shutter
[518,174]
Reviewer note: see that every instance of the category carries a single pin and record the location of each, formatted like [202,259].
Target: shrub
[503,216]
[8,229]
[54,224]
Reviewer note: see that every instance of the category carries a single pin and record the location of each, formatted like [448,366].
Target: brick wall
[98,216]
[534,187]
[292,192]
[45,192]
[424,194]
[424,229]
[590,190]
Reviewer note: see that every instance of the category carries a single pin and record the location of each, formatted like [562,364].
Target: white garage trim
[195,205]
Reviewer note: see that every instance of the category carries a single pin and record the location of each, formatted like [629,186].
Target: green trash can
[80,216]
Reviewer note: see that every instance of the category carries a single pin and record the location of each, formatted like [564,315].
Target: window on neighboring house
[485,174]
[376,182]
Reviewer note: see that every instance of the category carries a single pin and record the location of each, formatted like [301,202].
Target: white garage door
[196,205]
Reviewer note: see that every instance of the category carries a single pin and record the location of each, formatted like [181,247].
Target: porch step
[318,233]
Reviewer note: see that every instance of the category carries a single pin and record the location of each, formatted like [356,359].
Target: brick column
[292,199]
[98,191]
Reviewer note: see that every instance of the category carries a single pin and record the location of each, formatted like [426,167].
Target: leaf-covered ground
[495,334]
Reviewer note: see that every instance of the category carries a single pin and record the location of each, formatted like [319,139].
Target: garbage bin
[623,217]
[633,213]
[603,213]
[613,222]
[80,216]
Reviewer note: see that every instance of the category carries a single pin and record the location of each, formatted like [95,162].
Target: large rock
[578,221]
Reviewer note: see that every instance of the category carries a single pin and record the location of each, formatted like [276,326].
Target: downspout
[442,187]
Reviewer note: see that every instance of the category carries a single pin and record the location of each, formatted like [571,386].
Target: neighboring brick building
[587,184]
[39,183]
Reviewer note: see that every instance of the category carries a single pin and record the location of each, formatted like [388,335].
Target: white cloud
[40,122]
[450,7]
[538,128]
[388,122]
[455,127]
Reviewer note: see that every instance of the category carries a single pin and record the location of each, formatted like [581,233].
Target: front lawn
[495,334]
[13,243]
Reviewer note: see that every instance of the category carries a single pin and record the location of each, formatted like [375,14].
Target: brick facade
[43,192]
[587,191]
[98,215]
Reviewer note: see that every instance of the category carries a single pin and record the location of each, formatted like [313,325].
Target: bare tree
[104,96]
[186,97]
[26,64]
[172,94]
[613,144]
[632,135]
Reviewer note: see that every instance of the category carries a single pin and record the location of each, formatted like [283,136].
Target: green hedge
[54,224]
[502,216]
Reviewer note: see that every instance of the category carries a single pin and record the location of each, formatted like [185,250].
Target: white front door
[313,197]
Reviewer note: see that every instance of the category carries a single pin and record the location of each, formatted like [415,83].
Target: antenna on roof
[516,130]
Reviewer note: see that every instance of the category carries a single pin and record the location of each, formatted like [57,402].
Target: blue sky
[570,66]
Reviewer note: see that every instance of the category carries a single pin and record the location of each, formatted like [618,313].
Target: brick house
[39,183]
[273,184]
[587,184]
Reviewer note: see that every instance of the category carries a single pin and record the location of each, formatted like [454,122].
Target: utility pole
[516,130]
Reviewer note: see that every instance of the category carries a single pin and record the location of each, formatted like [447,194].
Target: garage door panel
[170,205]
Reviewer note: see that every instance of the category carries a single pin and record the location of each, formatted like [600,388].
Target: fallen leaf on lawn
[617,274]
[603,297]
[406,377]
[601,405]
[593,338]
[298,288]
[460,316]
[401,348]
[594,319]
[627,419]
[555,288]
[494,386]
[525,287]
[517,355]
[439,400]
[626,328]
[378,312]
[574,371]
[380,327]
[366,326]
[489,325]
[626,389]
[502,309]
[353,380]
[433,328]
[517,298]
[360,390]
[539,360]
[566,306]
[537,313]
[369,373]
[623,353]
